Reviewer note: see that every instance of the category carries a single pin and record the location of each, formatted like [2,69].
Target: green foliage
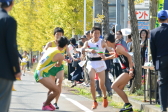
[140,92]
[65,71]
[37,20]
[116,104]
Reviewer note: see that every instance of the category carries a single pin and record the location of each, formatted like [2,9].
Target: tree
[38,18]
[105,12]
[153,13]
[135,34]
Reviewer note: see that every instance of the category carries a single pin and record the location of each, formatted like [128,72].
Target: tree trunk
[105,22]
[153,13]
[137,57]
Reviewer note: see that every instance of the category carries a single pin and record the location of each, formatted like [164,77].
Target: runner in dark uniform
[126,64]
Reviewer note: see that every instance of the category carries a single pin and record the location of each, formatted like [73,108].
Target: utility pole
[84,16]
[97,9]
[125,13]
[93,12]
[118,6]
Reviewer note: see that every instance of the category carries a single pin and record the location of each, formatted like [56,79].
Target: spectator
[83,38]
[119,39]
[70,67]
[129,43]
[77,74]
[159,51]
[34,59]
[116,66]
[88,35]
[9,67]
[143,44]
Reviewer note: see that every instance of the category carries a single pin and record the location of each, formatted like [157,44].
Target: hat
[80,43]
[83,36]
[162,14]
[5,0]
[87,32]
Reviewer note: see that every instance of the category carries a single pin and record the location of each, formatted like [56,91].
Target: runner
[57,73]
[24,62]
[53,56]
[95,64]
[126,63]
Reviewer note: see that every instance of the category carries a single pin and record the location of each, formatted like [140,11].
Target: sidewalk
[143,106]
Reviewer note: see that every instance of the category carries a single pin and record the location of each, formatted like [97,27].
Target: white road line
[77,104]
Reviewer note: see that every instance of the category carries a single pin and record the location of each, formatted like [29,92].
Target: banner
[160,7]
[138,1]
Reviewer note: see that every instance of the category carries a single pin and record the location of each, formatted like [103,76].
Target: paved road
[30,96]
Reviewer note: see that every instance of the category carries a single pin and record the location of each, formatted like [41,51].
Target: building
[142,12]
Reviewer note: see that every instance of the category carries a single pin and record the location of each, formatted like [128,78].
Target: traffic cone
[13,89]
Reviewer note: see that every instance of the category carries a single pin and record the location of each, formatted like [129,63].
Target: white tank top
[96,46]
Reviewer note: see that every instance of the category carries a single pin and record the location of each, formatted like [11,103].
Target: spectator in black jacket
[9,67]
[159,51]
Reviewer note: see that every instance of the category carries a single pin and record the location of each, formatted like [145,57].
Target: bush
[140,92]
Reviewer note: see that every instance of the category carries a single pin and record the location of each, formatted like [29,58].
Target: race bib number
[43,60]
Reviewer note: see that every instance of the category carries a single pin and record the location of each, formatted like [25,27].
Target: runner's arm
[109,57]
[59,58]
[104,45]
[85,48]
[47,46]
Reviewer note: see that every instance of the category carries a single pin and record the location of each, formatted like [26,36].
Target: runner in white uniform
[95,64]
[100,65]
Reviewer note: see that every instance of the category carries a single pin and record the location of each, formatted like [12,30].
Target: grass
[157,105]
[84,92]
[65,70]
[135,110]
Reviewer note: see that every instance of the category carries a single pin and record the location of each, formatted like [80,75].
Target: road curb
[145,106]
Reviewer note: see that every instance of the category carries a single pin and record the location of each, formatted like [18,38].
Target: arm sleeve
[12,45]
[153,49]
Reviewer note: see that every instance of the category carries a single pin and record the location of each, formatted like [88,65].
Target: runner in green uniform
[57,73]
[52,57]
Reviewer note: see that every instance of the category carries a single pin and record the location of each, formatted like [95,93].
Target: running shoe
[56,106]
[127,108]
[51,106]
[95,104]
[47,107]
[105,102]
